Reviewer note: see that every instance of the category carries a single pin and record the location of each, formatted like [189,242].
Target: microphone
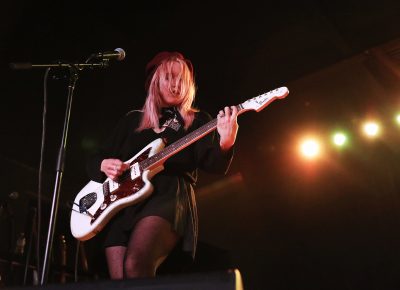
[118,54]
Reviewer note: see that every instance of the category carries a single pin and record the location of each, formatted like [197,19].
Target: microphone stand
[79,66]
[73,68]
[59,174]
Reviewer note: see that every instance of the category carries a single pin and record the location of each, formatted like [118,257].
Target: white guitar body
[104,204]
[97,202]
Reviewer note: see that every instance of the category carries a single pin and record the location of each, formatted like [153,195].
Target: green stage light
[339,139]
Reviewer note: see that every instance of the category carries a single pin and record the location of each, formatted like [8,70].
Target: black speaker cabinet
[223,280]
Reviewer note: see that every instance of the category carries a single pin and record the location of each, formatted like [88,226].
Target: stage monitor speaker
[223,280]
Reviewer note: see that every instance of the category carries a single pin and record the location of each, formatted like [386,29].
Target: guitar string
[167,150]
[211,125]
[125,175]
[205,129]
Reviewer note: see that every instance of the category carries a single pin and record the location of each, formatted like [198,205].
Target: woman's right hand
[113,168]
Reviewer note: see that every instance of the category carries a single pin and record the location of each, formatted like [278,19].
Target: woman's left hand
[227,127]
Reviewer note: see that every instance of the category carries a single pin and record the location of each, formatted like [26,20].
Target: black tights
[151,240]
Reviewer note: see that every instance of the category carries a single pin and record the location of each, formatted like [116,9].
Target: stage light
[371,129]
[339,139]
[398,119]
[310,148]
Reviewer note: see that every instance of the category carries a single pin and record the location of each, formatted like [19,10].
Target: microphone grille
[121,53]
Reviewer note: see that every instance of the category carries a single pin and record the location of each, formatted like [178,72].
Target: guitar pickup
[135,171]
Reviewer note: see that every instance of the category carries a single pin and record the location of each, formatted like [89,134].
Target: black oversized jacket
[180,170]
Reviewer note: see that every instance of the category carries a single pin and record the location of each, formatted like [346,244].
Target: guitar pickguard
[126,188]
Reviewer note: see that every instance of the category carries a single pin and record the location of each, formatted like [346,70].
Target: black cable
[76,261]
[39,205]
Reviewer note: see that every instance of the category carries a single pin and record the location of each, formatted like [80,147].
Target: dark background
[285,224]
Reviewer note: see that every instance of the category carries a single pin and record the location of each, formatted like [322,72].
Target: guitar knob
[103,206]
[113,197]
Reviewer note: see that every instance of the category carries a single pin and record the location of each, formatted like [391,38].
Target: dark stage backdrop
[284,223]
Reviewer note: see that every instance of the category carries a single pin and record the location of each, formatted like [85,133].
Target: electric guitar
[97,203]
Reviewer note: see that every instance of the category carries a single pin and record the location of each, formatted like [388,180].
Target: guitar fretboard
[181,143]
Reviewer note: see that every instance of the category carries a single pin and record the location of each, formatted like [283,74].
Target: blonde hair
[153,104]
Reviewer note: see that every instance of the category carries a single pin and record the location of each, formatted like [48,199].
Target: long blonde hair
[153,104]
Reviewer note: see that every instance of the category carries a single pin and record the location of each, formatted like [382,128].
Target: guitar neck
[257,103]
[160,157]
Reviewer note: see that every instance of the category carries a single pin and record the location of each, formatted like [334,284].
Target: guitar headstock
[260,102]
